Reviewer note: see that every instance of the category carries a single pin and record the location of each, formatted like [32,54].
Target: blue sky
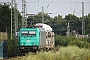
[61,7]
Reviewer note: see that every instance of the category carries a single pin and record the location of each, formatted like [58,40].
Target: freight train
[36,38]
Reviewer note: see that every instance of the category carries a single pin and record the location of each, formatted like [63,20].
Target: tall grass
[74,53]
[64,53]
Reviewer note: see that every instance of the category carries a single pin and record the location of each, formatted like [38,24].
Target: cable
[49,2]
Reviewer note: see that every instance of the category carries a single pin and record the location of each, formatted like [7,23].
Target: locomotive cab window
[24,33]
[28,33]
[32,33]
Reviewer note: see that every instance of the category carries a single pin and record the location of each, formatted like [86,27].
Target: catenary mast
[24,11]
[14,18]
[83,21]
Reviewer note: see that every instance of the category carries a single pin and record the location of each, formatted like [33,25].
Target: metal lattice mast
[24,11]
[83,22]
[14,17]
[14,23]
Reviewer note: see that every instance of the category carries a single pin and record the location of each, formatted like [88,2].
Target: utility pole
[24,12]
[11,19]
[42,14]
[83,21]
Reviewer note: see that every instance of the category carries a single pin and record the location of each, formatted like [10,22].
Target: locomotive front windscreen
[28,33]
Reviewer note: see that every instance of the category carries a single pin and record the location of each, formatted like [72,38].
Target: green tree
[59,25]
[75,23]
[87,24]
[38,18]
[4,18]
[5,25]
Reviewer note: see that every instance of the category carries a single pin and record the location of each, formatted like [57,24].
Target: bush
[12,48]
[71,40]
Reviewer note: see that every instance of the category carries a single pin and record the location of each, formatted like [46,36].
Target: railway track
[19,56]
[15,57]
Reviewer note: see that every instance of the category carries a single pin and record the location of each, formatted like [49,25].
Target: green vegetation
[72,40]
[59,26]
[5,26]
[58,23]
[64,53]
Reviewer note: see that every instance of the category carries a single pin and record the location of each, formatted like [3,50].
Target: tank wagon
[35,38]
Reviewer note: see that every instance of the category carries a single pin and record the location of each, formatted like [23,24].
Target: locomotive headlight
[22,44]
[28,38]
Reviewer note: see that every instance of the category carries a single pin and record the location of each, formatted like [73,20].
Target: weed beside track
[64,53]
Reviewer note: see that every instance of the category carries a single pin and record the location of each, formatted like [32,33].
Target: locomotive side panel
[42,39]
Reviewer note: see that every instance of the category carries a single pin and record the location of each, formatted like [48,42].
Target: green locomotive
[35,38]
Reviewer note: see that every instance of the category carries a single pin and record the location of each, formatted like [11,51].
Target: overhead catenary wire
[55,2]
[38,5]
